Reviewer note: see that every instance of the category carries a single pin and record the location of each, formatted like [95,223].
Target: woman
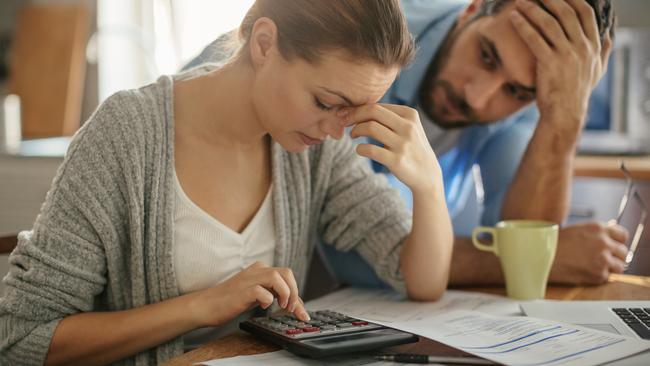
[188,202]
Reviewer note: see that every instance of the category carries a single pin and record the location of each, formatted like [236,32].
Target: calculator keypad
[322,322]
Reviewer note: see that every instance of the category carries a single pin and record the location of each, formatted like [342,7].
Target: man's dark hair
[605,15]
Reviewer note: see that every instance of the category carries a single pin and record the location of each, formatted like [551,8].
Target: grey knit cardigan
[103,238]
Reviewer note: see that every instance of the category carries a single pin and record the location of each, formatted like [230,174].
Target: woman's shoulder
[131,114]
[137,106]
[127,126]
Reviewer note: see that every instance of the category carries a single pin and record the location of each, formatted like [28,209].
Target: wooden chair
[47,67]
[8,243]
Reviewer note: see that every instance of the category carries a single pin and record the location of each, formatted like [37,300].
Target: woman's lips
[309,140]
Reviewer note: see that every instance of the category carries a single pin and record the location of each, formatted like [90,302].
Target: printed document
[389,306]
[522,340]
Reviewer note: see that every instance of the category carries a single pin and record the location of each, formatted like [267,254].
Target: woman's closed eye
[322,105]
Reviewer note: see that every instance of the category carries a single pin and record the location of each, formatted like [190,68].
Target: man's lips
[451,108]
[309,140]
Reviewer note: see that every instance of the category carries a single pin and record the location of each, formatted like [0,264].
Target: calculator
[328,333]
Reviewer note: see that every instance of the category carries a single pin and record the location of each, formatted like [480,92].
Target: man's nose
[480,89]
[333,127]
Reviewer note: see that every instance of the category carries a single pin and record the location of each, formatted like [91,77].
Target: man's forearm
[541,188]
[470,266]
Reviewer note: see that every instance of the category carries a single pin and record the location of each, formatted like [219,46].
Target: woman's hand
[256,285]
[406,151]
[425,256]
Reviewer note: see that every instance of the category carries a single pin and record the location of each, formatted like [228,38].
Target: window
[137,41]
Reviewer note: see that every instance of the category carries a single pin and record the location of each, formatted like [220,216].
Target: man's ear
[469,11]
[262,41]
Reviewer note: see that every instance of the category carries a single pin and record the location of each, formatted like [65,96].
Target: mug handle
[480,246]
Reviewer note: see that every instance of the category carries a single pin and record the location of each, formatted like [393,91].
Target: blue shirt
[496,148]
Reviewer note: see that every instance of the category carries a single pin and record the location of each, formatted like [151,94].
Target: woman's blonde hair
[373,30]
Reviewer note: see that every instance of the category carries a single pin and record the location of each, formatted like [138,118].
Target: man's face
[485,72]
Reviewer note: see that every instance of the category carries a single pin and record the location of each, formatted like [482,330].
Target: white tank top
[206,252]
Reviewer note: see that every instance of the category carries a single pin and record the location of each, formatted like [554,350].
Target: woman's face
[297,102]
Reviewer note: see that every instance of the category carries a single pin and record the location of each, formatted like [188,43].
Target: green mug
[526,249]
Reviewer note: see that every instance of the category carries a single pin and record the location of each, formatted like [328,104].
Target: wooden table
[609,166]
[620,287]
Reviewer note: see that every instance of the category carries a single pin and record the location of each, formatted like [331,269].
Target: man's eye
[485,57]
[322,106]
[514,92]
[511,90]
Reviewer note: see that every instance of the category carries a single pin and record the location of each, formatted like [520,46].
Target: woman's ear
[469,11]
[263,40]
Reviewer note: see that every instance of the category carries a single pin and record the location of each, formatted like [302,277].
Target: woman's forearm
[426,256]
[103,337]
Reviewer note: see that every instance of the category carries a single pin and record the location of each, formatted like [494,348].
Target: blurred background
[60,58]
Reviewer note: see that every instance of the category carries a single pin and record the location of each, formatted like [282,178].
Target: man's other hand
[587,253]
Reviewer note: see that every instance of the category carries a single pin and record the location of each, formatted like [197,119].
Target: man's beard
[431,83]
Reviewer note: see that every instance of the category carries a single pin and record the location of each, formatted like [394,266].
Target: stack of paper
[484,325]
[522,340]
[389,306]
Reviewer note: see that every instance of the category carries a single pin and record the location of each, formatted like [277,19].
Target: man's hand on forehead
[564,38]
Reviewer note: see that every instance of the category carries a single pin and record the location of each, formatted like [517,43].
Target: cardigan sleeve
[59,267]
[363,212]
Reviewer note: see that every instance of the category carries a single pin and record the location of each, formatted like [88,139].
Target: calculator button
[344,325]
[310,329]
[293,331]
[359,323]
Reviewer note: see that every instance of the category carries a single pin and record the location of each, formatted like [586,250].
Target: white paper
[523,340]
[284,358]
[388,306]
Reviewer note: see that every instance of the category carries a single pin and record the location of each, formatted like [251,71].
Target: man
[504,85]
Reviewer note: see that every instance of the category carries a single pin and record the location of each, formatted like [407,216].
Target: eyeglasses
[631,193]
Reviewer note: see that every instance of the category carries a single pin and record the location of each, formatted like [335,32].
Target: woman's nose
[332,127]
